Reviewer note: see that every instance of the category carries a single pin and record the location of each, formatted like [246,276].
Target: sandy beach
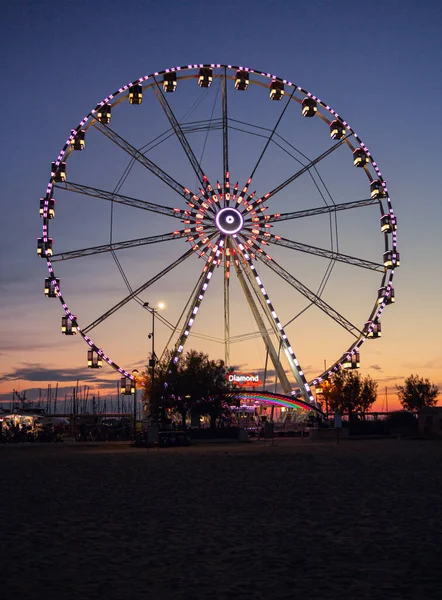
[357,520]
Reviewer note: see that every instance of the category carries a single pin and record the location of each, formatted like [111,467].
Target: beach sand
[362,519]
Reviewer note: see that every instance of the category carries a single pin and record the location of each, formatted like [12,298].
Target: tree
[348,392]
[214,388]
[416,393]
[368,395]
[162,400]
[341,392]
[195,384]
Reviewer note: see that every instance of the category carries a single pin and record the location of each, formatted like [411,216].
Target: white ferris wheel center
[229,221]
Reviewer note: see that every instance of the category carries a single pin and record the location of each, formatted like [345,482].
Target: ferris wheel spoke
[212,262]
[226,175]
[138,291]
[242,272]
[323,252]
[298,173]
[142,159]
[320,210]
[270,138]
[225,124]
[242,195]
[155,239]
[310,295]
[289,352]
[180,135]
[183,312]
[226,290]
[120,199]
[190,301]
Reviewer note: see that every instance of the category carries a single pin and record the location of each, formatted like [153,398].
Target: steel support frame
[324,253]
[227,270]
[264,305]
[86,190]
[198,298]
[304,169]
[285,383]
[226,177]
[320,210]
[143,160]
[191,302]
[155,239]
[304,388]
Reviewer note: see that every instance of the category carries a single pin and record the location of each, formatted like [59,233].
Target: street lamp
[151,336]
[135,374]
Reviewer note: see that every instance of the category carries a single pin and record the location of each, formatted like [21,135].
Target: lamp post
[153,310]
[135,373]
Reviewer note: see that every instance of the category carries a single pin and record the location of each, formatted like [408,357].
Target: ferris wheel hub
[229,220]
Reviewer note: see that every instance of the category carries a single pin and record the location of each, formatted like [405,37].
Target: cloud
[390,378]
[270,373]
[141,364]
[435,363]
[65,381]
[15,345]
[38,372]
[375,367]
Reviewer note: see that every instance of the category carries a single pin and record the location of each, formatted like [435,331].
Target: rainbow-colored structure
[275,399]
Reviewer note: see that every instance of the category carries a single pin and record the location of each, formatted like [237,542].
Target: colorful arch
[276,399]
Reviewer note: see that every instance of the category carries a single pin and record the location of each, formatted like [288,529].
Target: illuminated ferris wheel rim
[186,72]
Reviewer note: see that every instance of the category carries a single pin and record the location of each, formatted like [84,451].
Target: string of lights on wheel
[224,222]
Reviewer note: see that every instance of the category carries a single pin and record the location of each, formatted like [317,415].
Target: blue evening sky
[376,63]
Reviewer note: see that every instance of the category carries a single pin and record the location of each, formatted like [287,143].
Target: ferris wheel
[310,231]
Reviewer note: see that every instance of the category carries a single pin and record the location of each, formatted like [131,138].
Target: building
[430,421]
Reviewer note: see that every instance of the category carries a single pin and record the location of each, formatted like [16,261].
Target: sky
[377,65]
